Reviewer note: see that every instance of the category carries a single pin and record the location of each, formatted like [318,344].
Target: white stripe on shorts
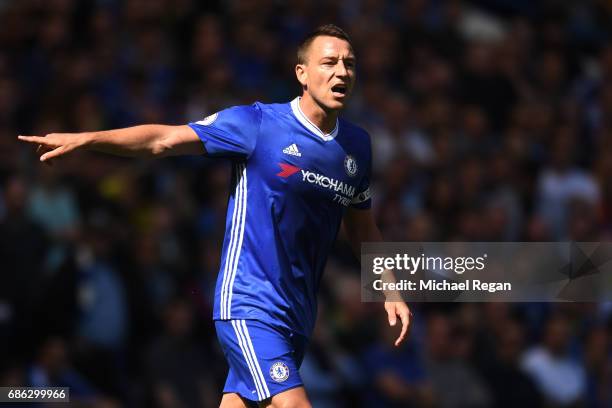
[247,357]
[257,367]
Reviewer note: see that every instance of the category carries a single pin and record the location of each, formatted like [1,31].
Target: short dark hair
[329,30]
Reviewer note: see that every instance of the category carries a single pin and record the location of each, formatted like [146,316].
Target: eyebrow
[348,59]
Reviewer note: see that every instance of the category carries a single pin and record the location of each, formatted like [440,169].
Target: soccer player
[298,171]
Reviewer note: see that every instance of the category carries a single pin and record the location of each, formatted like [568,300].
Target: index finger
[405,322]
[31,139]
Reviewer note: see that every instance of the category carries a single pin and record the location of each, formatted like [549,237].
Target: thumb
[391,316]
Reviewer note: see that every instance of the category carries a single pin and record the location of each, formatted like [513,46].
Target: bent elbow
[165,142]
[161,148]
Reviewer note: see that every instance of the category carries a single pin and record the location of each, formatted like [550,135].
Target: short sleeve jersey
[291,185]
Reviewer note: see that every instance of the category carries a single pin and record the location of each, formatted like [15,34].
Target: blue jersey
[291,185]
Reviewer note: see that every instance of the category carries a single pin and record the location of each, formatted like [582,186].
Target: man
[298,172]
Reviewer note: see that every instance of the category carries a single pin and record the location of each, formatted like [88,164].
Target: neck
[321,118]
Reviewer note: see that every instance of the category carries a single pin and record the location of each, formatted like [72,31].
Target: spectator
[559,377]
[503,371]
[52,368]
[455,383]
[177,368]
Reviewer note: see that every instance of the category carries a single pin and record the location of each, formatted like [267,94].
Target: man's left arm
[360,227]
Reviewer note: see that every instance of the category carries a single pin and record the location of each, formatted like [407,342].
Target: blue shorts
[263,360]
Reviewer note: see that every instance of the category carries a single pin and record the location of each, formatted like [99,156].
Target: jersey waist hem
[261,317]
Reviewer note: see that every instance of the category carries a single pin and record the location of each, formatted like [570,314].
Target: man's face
[328,73]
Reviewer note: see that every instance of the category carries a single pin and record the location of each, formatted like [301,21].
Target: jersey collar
[301,117]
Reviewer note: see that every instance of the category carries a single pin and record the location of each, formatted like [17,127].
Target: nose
[341,70]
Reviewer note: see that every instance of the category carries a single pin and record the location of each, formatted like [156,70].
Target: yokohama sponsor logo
[328,182]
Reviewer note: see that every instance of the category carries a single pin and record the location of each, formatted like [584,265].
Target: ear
[300,73]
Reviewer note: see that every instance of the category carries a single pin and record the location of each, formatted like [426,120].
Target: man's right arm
[137,141]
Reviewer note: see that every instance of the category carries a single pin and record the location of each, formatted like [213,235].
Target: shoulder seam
[258,106]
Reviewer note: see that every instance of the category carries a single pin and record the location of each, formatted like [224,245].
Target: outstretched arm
[137,141]
[361,227]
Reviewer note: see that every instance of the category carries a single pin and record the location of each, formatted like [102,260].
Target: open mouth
[339,90]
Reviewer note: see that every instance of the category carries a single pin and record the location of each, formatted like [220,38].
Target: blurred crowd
[491,120]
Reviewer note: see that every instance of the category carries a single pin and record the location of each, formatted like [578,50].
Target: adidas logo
[292,150]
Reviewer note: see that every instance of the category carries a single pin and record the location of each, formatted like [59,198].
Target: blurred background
[491,120]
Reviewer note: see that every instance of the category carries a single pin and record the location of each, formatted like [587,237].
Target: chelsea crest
[350,165]
[279,371]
